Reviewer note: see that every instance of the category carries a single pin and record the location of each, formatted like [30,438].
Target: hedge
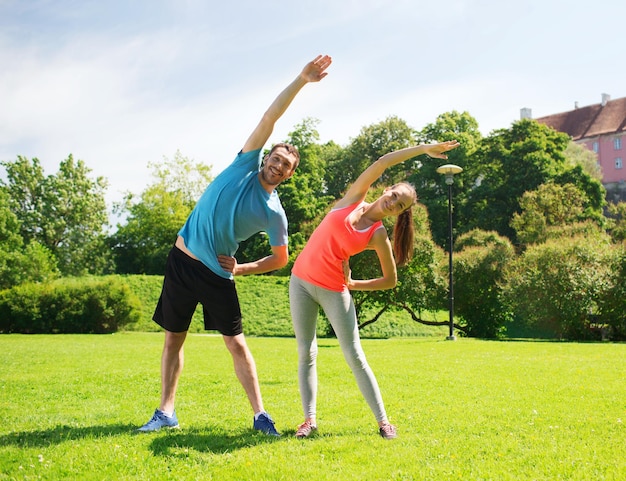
[69,305]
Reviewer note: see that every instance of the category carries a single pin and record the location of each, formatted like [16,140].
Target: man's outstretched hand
[315,70]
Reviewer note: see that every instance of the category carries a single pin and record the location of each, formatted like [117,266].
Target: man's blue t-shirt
[233,208]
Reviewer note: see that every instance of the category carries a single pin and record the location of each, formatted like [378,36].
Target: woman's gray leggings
[305,300]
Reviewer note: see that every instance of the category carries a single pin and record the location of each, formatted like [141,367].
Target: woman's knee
[356,360]
[307,351]
[308,358]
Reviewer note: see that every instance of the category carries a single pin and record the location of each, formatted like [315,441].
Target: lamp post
[449,170]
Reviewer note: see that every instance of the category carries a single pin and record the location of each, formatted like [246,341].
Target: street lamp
[449,170]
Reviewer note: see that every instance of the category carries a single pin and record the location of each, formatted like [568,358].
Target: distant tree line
[538,252]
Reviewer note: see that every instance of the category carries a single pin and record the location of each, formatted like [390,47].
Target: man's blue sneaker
[160,420]
[265,424]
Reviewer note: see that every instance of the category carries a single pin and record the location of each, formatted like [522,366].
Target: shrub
[554,288]
[71,305]
[478,272]
[612,305]
[32,263]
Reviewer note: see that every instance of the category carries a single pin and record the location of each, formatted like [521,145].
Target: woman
[321,276]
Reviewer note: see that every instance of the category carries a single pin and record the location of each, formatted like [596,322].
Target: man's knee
[174,340]
[236,344]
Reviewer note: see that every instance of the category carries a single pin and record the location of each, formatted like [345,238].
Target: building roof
[600,119]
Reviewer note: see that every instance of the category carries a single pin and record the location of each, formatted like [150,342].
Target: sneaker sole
[156,430]
[310,434]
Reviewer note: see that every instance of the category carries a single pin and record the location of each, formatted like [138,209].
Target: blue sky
[119,84]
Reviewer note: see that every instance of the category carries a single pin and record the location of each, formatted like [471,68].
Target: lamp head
[449,170]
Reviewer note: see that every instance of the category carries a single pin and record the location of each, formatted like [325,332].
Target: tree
[576,154]
[25,188]
[20,263]
[508,163]
[592,188]
[372,142]
[65,212]
[182,175]
[551,206]
[304,195]
[617,225]
[142,244]
[430,185]
[152,222]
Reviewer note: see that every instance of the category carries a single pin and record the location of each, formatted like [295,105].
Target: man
[240,202]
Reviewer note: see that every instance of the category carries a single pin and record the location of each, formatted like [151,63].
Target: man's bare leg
[172,362]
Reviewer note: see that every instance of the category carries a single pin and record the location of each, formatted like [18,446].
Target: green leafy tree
[578,155]
[430,185]
[21,262]
[617,224]
[25,188]
[10,237]
[32,263]
[303,195]
[508,163]
[513,161]
[182,175]
[152,222]
[66,212]
[592,188]
[372,142]
[551,206]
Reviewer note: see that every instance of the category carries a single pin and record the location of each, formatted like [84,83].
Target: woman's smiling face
[396,199]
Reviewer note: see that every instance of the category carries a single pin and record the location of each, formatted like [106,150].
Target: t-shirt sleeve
[249,160]
[277,230]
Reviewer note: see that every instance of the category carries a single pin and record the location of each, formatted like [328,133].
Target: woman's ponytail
[403,237]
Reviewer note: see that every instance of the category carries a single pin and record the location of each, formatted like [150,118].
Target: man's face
[277,167]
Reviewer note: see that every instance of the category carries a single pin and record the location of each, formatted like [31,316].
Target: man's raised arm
[314,71]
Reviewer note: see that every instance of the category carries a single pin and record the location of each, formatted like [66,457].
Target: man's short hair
[291,149]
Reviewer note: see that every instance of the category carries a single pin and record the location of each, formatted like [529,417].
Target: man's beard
[267,180]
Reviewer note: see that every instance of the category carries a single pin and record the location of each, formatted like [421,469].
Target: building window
[595,147]
[618,163]
[617,143]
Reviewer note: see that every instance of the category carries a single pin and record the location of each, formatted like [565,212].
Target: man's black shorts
[188,282]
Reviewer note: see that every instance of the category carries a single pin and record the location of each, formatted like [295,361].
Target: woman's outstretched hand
[438,151]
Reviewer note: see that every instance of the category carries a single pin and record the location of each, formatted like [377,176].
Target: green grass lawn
[466,410]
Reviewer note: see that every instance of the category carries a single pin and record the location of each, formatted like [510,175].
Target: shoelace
[388,429]
[304,429]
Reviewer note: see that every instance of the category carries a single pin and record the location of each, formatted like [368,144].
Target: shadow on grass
[162,443]
[62,434]
[178,442]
